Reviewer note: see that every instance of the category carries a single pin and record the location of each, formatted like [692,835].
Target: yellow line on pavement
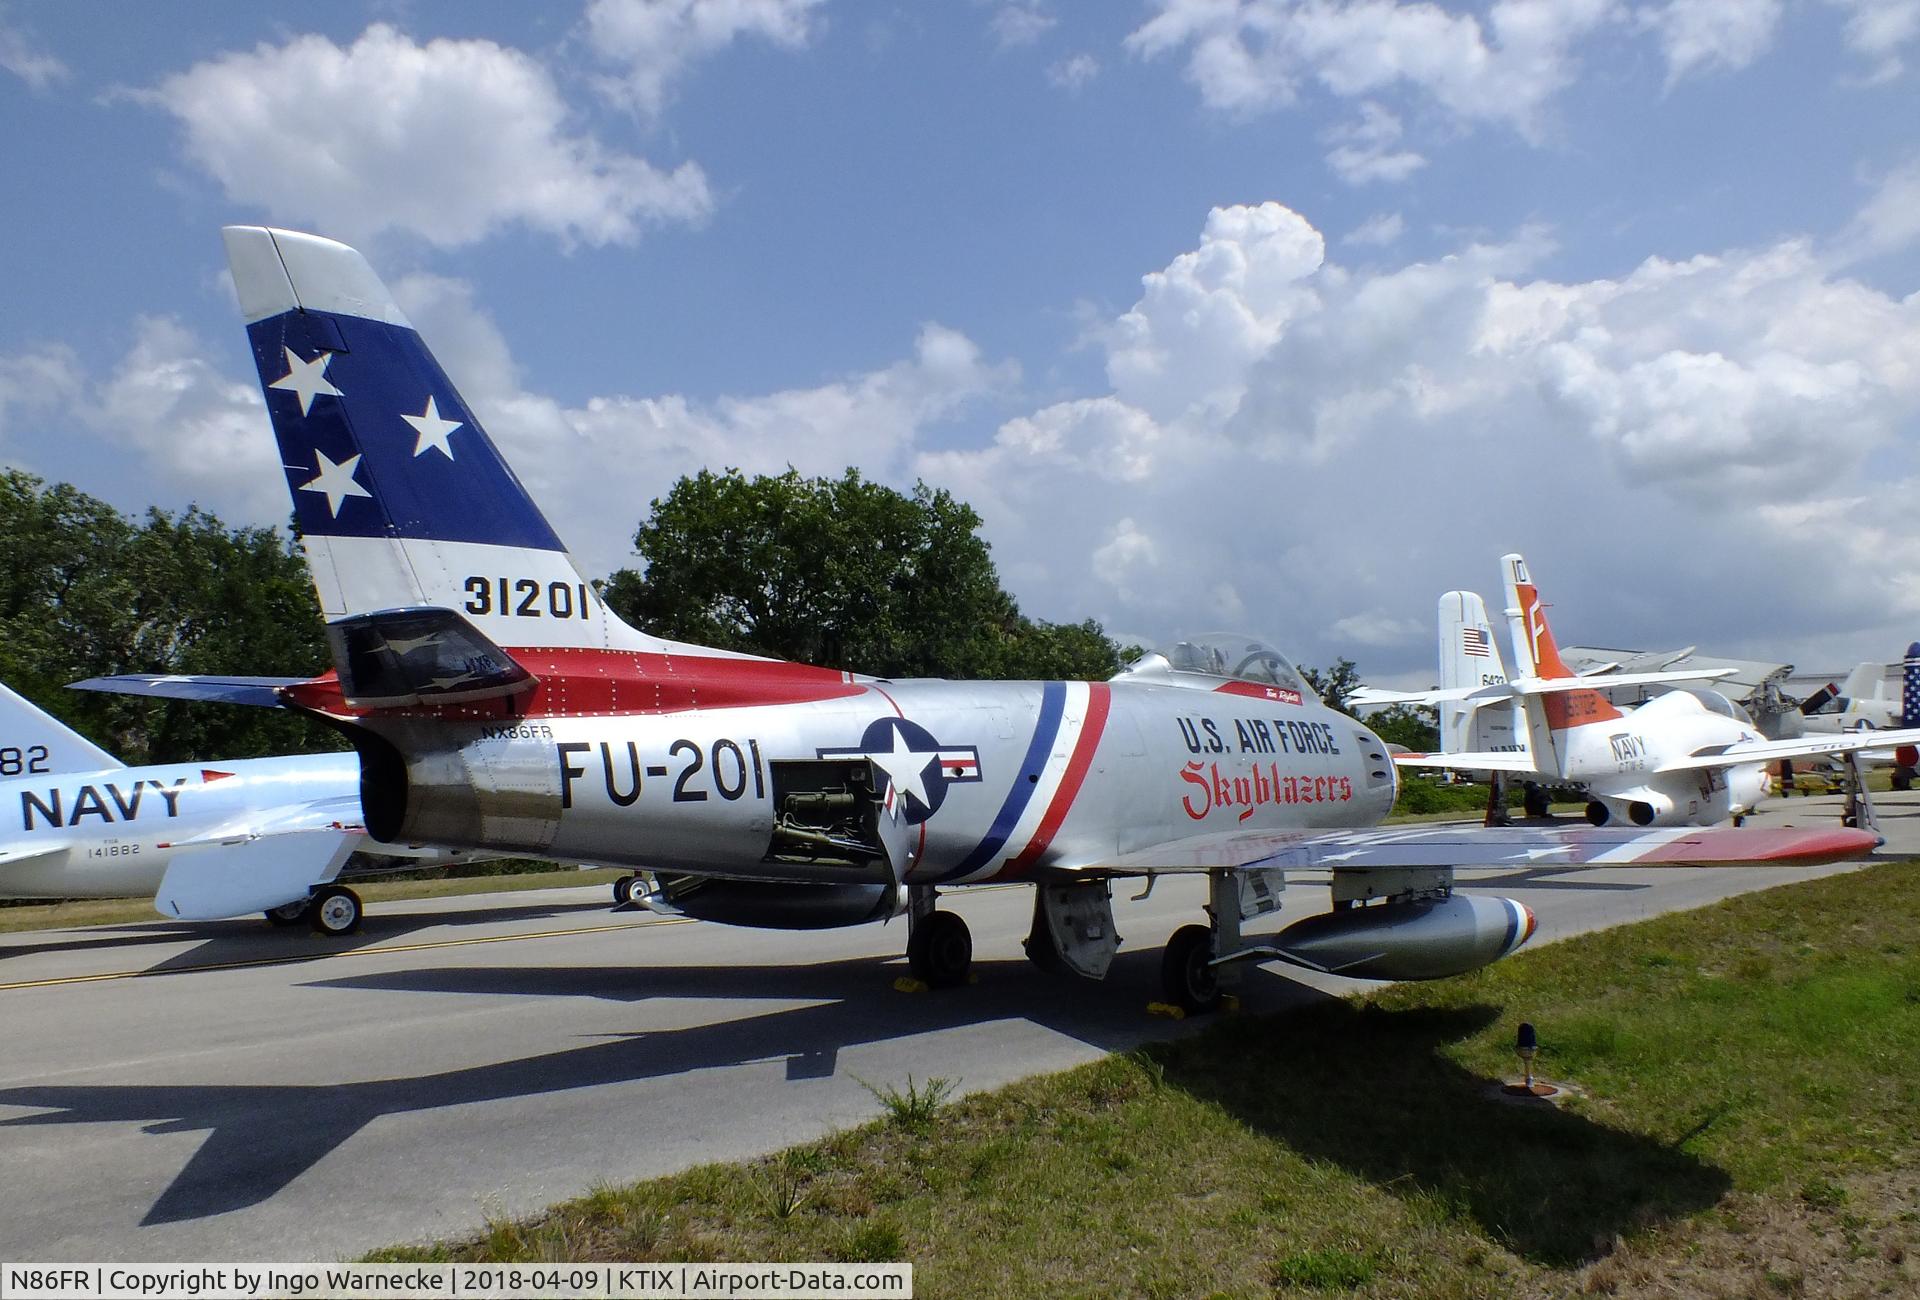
[293,959]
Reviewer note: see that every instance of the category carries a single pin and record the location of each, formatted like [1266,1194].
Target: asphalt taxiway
[228,1091]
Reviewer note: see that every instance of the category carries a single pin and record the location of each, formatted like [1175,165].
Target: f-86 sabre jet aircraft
[496,704]
[206,840]
[1690,757]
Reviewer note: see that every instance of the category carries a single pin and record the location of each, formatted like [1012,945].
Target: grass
[126,911]
[1742,1118]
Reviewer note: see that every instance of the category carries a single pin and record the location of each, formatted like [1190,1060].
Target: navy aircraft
[496,704]
[1689,757]
[205,840]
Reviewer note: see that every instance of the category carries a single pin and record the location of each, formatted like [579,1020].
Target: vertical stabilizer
[33,740]
[1910,687]
[401,497]
[1537,654]
[1470,657]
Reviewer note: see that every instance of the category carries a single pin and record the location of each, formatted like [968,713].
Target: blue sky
[1266,315]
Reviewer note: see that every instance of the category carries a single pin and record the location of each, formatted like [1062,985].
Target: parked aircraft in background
[204,840]
[1689,757]
[1867,701]
[779,794]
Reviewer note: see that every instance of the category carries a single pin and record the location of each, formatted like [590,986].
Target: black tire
[940,950]
[1533,801]
[288,913]
[623,890]
[335,911]
[1186,970]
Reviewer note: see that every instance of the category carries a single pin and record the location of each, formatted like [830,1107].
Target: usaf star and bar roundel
[918,767]
[357,402]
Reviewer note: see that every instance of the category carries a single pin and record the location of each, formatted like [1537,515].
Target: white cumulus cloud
[1247,56]
[1880,31]
[1328,447]
[451,140]
[602,461]
[1697,34]
[1073,72]
[23,57]
[195,431]
[654,41]
[1022,23]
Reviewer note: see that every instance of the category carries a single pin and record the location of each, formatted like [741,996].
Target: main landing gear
[332,910]
[1187,973]
[623,890]
[939,945]
[1195,969]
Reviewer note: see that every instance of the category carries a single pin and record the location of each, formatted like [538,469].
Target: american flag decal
[1473,641]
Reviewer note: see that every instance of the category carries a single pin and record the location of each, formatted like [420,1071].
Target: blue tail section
[1910,688]
[374,438]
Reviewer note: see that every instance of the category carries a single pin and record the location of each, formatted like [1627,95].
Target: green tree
[1417,728]
[85,591]
[1334,685]
[840,572]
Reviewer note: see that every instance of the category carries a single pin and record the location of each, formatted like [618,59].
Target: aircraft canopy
[1231,655]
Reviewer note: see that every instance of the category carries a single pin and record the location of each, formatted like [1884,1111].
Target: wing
[1766,751]
[1404,847]
[335,815]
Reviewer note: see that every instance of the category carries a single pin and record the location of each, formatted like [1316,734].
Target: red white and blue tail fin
[1910,687]
[401,498]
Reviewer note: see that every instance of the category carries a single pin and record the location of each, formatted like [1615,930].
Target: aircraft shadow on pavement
[260,1138]
[252,939]
[1369,1090]
[1373,1091]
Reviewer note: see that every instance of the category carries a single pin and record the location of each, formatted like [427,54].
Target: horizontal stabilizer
[1367,697]
[260,692]
[1768,751]
[1488,761]
[1404,847]
[235,879]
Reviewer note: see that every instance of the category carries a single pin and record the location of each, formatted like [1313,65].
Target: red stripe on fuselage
[577,683]
[1099,698]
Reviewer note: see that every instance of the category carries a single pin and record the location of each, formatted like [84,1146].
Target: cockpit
[1715,702]
[1228,655]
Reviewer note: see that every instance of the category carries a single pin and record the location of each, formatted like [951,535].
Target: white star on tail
[335,481]
[308,379]
[432,429]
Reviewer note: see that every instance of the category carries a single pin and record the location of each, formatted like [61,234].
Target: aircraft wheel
[335,911]
[1186,972]
[623,890]
[940,950]
[288,913]
[1534,801]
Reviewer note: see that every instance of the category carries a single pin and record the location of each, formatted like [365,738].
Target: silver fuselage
[993,780]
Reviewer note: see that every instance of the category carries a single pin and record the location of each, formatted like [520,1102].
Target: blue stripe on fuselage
[1053,704]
